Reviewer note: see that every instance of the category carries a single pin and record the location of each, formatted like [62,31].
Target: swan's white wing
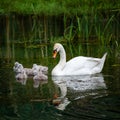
[75,63]
[92,62]
[81,63]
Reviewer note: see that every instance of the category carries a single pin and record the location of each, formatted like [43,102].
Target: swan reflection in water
[79,86]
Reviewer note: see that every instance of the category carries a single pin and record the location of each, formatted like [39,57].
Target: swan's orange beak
[54,53]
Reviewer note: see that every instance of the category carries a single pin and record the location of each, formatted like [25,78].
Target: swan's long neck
[62,61]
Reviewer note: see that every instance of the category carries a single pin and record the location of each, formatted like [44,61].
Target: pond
[89,97]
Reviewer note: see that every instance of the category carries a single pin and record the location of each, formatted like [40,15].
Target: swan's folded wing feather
[93,59]
[74,64]
[80,63]
[93,63]
[76,61]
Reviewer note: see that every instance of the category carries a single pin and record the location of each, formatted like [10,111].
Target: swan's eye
[54,51]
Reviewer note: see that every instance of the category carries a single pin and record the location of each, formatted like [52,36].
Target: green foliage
[80,20]
[57,7]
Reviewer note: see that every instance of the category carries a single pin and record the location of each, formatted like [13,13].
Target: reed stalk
[69,32]
[106,38]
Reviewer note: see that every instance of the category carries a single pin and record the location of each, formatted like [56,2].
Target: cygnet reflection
[21,80]
[38,82]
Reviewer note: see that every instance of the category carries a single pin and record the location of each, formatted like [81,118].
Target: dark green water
[95,97]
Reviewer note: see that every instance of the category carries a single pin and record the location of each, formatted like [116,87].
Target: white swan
[77,66]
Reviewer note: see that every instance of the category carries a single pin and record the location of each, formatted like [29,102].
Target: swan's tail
[103,61]
[104,56]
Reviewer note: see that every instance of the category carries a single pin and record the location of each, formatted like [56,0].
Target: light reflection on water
[80,87]
[80,97]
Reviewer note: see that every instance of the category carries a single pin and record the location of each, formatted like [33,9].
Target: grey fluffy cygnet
[18,68]
[21,76]
[39,68]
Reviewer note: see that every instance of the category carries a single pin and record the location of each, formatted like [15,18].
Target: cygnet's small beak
[54,53]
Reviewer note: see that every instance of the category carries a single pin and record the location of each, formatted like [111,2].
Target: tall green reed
[103,33]
[69,33]
[82,27]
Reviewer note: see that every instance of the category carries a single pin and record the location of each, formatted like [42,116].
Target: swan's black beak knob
[54,53]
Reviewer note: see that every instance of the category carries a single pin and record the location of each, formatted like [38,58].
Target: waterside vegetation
[33,24]
[44,21]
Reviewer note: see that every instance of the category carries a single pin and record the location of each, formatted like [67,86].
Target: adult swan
[77,66]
